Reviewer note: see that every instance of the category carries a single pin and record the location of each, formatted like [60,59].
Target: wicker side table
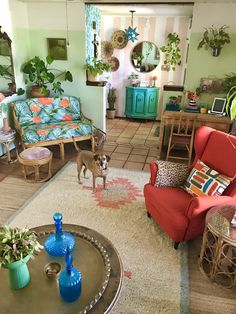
[218,251]
[35,157]
[6,138]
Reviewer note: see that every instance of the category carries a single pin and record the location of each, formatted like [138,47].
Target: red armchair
[179,214]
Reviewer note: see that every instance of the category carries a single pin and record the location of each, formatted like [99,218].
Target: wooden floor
[135,152]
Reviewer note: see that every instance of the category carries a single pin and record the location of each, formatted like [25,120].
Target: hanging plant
[214,39]
[172,51]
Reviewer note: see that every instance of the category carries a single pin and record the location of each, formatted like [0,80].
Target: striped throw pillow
[205,181]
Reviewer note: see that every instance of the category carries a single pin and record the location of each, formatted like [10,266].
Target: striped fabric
[205,181]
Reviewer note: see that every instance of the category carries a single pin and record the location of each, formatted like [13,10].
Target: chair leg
[176,244]
[148,214]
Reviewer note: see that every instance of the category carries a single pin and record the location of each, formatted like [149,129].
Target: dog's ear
[96,157]
[108,158]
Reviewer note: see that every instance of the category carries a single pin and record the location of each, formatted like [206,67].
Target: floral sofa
[51,120]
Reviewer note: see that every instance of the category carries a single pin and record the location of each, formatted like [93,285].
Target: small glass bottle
[57,243]
[70,281]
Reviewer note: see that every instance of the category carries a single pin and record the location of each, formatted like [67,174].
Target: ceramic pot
[216,52]
[111,114]
[35,92]
[91,77]
[18,273]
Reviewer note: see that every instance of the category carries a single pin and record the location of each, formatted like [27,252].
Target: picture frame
[4,48]
[57,48]
[211,85]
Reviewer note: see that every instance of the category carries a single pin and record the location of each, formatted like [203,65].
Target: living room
[29,24]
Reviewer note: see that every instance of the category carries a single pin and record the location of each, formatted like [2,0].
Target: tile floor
[131,144]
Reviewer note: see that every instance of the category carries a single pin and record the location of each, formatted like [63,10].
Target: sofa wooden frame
[60,142]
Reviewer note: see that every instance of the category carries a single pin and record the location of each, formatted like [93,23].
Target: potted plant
[172,52]
[137,58]
[214,39]
[134,79]
[39,73]
[229,81]
[111,98]
[16,248]
[96,67]
[230,107]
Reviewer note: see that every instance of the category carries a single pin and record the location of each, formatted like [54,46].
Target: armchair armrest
[85,119]
[201,204]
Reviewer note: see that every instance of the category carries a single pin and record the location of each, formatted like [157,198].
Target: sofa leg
[62,151]
[148,214]
[176,244]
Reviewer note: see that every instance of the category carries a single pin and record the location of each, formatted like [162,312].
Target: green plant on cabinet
[172,52]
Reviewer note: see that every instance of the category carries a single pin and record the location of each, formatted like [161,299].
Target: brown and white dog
[96,163]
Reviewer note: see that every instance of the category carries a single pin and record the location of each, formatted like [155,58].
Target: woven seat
[35,157]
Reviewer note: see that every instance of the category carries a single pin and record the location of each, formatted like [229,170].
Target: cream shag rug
[155,274]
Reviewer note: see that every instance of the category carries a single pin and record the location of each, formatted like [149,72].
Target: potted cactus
[111,98]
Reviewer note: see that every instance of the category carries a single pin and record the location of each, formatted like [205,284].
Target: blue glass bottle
[57,243]
[70,281]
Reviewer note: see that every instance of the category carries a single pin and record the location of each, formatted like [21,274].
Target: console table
[94,256]
[141,102]
[213,121]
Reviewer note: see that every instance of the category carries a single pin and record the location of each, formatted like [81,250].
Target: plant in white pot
[16,248]
[95,68]
[111,98]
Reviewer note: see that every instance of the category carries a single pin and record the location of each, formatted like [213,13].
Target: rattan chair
[181,133]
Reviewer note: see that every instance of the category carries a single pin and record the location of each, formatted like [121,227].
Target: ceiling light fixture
[131,33]
[67,29]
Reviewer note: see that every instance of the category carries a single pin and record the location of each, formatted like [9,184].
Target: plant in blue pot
[16,248]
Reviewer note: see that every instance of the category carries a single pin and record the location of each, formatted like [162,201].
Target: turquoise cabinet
[141,102]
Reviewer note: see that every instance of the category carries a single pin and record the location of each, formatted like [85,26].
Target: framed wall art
[57,48]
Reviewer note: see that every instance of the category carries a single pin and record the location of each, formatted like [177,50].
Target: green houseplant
[111,98]
[16,248]
[214,39]
[96,67]
[39,72]
[172,52]
[230,107]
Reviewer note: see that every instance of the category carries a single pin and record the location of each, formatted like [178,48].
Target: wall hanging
[131,33]
[114,63]
[57,48]
[106,49]
[214,39]
[119,39]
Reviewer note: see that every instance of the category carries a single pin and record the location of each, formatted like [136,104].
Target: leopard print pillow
[171,174]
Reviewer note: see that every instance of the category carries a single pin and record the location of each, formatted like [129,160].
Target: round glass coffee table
[218,251]
[94,256]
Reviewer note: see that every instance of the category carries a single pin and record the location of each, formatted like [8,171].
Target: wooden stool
[6,138]
[35,157]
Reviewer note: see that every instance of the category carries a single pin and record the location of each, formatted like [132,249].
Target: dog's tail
[75,144]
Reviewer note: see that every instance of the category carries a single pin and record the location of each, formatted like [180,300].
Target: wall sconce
[131,33]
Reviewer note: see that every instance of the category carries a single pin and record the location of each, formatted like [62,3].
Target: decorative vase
[70,281]
[58,243]
[216,52]
[18,273]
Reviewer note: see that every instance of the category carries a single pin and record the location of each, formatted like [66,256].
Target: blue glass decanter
[70,281]
[57,243]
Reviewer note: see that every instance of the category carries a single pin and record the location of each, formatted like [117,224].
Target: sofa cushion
[55,131]
[203,180]
[171,174]
[43,110]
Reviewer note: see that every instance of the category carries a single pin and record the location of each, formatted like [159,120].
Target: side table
[6,138]
[218,251]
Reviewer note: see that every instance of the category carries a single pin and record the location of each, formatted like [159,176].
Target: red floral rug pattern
[119,192]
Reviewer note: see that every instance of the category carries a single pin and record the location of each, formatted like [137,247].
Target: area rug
[155,274]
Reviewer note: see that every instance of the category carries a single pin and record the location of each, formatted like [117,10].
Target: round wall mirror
[145,56]
[7,78]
